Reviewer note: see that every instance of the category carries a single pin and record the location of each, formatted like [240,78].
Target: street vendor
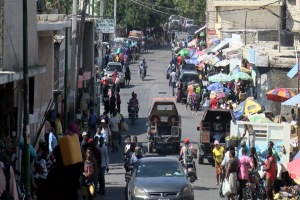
[249,128]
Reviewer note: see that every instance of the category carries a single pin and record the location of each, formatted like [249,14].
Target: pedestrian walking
[271,173]
[118,100]
[52,140]
[179,91]
[115,129]
[127,74]
[97,155]
[105,132]
[104,165]
[89,174]
[218,155]
[172,81]
[243,167]
[195,99]
[128,143]
[92,122]
[231,174]
[112,101]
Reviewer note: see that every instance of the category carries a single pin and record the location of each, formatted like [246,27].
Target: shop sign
[211,32]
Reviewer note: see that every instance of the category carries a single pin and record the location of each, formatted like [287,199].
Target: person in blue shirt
[143,64]
[136,155]
[92,121]
[171,67]
[174,60]
[240,148]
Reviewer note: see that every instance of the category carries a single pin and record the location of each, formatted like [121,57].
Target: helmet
[186,141]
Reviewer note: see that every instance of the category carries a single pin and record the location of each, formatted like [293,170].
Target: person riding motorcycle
[143,65]
[187,151]
[136,155]
[133,102]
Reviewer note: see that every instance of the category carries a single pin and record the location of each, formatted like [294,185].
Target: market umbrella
[279,95]
[184,52]
[31,149]
[294,169]
[200,58]
[249,106]
[200,65]
[214,86]
[222,95]
[222,89]
[194,61]
[240,75]
[260,119]
[199,53]
[192,53]
[215,40]
[219,78]
[238,69]
[192,43]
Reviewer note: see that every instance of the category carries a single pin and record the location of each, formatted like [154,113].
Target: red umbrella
[294,169]
[279,95]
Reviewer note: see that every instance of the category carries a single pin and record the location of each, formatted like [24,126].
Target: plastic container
[70,149]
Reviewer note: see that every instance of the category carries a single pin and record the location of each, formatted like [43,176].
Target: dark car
[189,67]
[185,76]
[191,30]
[158,178]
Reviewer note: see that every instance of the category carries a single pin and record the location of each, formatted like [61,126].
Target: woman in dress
[179,92]
[231,174]
[127,74]
[218,155]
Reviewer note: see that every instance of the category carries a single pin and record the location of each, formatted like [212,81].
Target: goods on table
[289,192]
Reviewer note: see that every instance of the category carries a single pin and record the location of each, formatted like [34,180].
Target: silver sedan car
[159,178]
[109,70]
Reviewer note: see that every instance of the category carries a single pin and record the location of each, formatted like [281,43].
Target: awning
[200,29]
[292,73]
[234,48]
[222,44]
[292,101]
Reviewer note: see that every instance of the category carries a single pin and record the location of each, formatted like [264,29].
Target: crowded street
[155,85]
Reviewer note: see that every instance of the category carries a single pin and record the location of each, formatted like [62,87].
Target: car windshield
[189,67]
[159,169]
[113,68]
[185,78]
[189,22]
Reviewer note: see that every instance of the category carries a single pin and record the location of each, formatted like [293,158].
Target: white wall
[13,34]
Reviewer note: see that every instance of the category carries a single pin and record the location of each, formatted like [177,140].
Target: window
[114,67]
[189,22]
[164,107]
[159,169]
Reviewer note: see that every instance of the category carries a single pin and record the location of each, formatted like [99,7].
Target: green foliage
[189,6]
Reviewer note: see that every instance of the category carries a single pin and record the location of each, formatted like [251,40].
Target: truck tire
[200,159]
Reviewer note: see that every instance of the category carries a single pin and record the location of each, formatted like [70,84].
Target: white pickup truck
[265,132]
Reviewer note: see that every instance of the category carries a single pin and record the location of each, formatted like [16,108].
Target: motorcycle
[143,72]
[132,115]
[190,169]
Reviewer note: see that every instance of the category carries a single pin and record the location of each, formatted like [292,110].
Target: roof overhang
[10,76]
[52,26]
[200,29]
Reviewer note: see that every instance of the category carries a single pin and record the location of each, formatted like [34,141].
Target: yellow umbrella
[239,69]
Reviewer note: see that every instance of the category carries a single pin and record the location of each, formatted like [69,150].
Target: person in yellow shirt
[218,155]
[58,126]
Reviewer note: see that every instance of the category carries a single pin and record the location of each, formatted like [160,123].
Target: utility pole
[115,17]
[26,136]
[126,18]
[73,71]
[279,26]
[66,74]
[246,29]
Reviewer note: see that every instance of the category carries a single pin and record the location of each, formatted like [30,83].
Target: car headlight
[120,76]
[139,191]
[187,190]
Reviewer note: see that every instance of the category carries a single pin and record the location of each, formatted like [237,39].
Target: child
[90,170]
[127,146]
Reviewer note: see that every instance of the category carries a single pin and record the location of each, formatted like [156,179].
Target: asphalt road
[155,85]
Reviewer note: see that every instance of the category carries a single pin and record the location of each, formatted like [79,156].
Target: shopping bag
[226,188]
[125,126]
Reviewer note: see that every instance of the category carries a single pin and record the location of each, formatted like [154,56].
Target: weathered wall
[271,78]
[210,18]
[13,35]
[292,14]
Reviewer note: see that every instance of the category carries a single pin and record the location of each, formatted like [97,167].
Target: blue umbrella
[192,53]
[194,61]
[297,156]
[214,86]
[222,89]
[195,56]
[32,151]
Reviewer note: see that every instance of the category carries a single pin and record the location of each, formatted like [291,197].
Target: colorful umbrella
[184,52]
[219,78]
[200,65]
[294,169]
[260,119]
[279,95]
[199,53]
[215,40]
[240,75]
[238,69]
[200,58]
[194,61]
[192,43]
[214,86]
[249,106]
[192,53]
[222,89]
[221,95]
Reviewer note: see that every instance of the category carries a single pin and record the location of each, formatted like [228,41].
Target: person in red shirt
[114,76]
[179,59]
[271,173]
[214,102]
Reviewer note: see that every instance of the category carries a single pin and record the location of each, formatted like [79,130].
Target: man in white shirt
[115,129]
[105,133]
[52,140]
[172,81]
[104,165]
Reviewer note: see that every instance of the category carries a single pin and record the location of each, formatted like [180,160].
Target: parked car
[158,178]
[109,70]
[189,67]
[184,77]
[187,23]
[214,125]
[164,125]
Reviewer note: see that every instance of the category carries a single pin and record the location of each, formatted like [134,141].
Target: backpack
[188,154]
[6,172]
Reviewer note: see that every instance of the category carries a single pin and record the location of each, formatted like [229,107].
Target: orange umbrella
[279,95]
[200,65]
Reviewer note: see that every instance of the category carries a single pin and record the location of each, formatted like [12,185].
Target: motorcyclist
[143,65]
[128,155]
[185,151]
[136,155]
[134,102]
